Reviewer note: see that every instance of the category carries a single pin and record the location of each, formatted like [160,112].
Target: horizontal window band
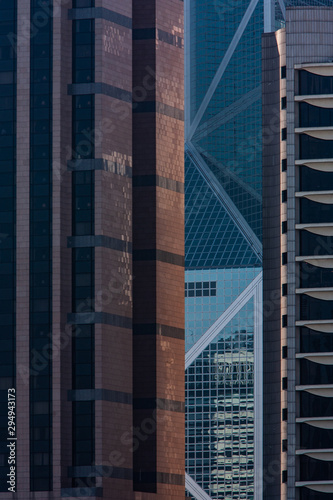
[100,395]
[158,180]
[162,36]
[101,318]
[99,164]
[100,471]
[84,491]
[158,107]
[146,477]
[99,88]
[100,13]
[158,255]
[99,241]
[157,329]
[158,404]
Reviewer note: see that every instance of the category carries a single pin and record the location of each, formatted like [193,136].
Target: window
[284,414]
[284,383]
[284,165]
[284,289]
[284,352]
[283,103]
[283,134]
[284,196]
[284,320]
[284,227]
[284,258]
[284,445]
[284,476]
[283,72]
[200,289]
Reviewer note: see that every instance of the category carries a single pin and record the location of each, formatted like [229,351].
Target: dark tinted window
[312,148]
[313,116]
[312,341]
[312,308]
[314,180]
[311,84]
[315,244]
[311,211]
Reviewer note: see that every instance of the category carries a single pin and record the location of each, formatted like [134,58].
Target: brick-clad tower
[76,141]
[158,252]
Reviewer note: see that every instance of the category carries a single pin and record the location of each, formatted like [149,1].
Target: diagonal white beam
[231,174]
[283,8]
[269,16]
[222,321]
[221,69]
[228,113]
[225,200]
[258,392]
[195,489]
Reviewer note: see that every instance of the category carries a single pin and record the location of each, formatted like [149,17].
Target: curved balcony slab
[319,454]
[325,197]
[325,133]
[324,390]
[319,100]
[322,358]
[324,165]
[322,293]
[320,422]
[320,325]
[325,261]
[321,486]
[323,69]
[322,228]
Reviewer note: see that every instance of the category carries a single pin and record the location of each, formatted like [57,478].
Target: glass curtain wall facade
[223,205]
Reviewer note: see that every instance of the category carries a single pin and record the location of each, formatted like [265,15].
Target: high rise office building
[91,312]
[298,279]
[223,249]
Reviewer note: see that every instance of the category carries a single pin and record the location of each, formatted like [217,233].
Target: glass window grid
[219,409]
[40,254]
[8,13]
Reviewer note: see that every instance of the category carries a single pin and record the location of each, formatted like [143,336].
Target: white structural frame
[254,289]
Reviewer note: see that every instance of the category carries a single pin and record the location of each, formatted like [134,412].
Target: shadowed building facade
[298,283]
[91,247]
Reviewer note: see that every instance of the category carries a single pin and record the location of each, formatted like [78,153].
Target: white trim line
[283,8]
[221,69]
[222,321]
[258,391]
[225,200]
[195,489]
[269,16]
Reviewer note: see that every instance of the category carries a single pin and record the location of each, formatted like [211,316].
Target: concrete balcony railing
[324,165]
[320,422]
[321,486]
[325,133]
[325,197]
[322,358]
[323,261]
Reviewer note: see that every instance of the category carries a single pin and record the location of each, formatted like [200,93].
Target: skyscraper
[298,218]
[223,247]
[91,132]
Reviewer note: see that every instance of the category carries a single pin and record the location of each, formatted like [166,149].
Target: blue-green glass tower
[223,213]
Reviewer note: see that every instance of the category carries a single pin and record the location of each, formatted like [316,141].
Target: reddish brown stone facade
[138,247]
